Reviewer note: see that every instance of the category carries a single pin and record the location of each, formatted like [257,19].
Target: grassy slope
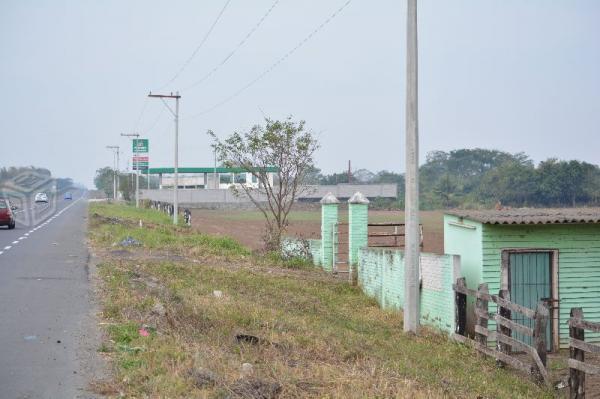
[322,338]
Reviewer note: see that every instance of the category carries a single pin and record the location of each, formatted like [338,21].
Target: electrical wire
[139,119]
[274,65]
[204,39]
[240,44]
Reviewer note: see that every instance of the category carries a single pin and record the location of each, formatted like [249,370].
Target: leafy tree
[104,181]
[283,144]
[512,183]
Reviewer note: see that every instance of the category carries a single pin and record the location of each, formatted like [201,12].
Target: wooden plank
[484,314]
[503,329]
[584,346]
[514,307]
[481,311]
[483,331]
[539,339]
[392,224]
[585,367]
[541,368]
[586,325]
[516,363]
[514,343]
[513,326]
[386,234]
[576,376]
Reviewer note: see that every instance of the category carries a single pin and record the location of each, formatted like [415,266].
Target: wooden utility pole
[411,212]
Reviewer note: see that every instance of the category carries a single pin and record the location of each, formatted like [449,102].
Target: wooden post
[460,306]
[539,336]
[503,312]
[481,312]
[576,377]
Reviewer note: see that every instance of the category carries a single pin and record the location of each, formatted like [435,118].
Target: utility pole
[411,212]
[176,96]
[136,167]
[115,149]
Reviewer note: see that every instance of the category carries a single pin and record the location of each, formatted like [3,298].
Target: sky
[511,75]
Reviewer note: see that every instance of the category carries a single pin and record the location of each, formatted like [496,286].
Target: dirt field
[247,227]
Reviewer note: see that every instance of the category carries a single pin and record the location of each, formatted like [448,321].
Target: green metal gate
[529,282]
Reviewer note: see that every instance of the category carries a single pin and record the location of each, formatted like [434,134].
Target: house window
[240,178]
[225,178]
[254,179]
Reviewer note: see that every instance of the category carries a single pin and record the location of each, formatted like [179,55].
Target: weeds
[310,335]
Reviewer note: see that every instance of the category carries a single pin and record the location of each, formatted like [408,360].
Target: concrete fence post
[358,219]
[329,219]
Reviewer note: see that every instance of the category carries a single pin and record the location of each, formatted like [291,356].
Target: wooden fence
[379,234]
[506,346]
[577,348]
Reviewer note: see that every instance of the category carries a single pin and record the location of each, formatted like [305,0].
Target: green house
[536,254]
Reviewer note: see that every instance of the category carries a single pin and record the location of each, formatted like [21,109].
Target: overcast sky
[513,75]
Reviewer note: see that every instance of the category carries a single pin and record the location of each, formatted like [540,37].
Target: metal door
[529,282]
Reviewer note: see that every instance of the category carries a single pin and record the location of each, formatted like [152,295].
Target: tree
[104,181]
[285,145]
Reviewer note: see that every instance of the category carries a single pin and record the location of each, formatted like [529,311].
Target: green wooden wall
[578,248]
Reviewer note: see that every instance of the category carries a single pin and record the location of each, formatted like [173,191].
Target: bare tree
[280,156]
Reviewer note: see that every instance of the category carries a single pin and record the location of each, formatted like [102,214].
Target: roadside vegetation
[190,315]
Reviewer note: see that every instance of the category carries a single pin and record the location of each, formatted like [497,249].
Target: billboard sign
[140,146]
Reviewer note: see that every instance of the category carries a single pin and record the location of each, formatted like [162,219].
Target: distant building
[208,178]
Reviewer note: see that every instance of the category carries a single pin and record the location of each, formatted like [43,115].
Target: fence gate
[341,249]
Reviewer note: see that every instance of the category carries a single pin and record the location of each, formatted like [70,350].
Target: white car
[41,197]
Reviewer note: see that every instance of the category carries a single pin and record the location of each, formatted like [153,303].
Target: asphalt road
[46,312]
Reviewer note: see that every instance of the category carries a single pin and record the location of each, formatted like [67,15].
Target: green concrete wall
[329,217]
[381,276]
[358,219]
[578,248]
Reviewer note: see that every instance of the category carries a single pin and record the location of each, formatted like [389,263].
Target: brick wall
[381,276]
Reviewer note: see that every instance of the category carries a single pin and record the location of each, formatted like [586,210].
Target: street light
[115,149]
[175,113]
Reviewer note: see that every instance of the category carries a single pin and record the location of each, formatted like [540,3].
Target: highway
[46,312]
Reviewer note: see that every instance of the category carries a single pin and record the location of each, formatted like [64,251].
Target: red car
[7,217]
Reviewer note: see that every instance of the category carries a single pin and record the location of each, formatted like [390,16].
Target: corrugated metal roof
[531,215]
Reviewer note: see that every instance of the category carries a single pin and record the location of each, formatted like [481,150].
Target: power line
[139,119]
[186,63]
[275,64]
[240,44]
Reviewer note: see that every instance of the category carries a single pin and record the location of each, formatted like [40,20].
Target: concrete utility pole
[413,239]
[115,149]
[176,96]
[137,169]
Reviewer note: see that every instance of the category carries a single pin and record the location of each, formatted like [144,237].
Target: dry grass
[316,336]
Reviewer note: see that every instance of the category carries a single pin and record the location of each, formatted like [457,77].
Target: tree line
[480,178]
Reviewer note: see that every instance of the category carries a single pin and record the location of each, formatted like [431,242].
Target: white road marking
[6,248]
[22,238]
[15,242]
[1,252]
